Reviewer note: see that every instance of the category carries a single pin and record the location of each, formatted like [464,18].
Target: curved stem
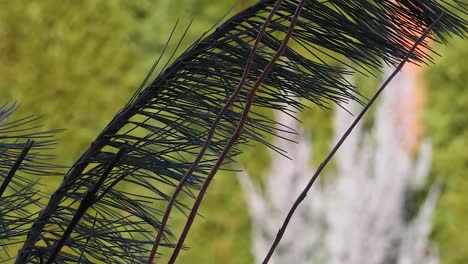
[236,134]
[211,134]
[303,194]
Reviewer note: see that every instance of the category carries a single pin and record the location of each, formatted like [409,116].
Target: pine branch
[16,165]
[90,199]
[212,131]
[239,128]
[20,165]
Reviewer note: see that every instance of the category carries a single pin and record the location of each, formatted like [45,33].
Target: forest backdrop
[78,63]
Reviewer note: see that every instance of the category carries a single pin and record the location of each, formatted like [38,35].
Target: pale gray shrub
[358,215]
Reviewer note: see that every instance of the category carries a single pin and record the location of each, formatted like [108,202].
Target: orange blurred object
[409,112]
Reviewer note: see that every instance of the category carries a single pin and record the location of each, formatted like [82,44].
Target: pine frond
[22,160]
[109,203]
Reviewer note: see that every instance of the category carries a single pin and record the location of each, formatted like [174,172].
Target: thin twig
[16,166]
[86,203]
[303,194]
[236,134]
[211,133]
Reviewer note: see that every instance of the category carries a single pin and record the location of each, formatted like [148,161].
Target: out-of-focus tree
[73,61]
[359,214]
[447,121]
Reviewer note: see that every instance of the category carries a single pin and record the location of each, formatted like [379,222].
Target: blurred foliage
[447,120]
[75,62]
[78,62]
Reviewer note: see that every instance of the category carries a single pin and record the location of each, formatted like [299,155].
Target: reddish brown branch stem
[236,134]
[303,194]
[211,133]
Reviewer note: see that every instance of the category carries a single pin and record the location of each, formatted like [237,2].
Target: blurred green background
[78,62]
